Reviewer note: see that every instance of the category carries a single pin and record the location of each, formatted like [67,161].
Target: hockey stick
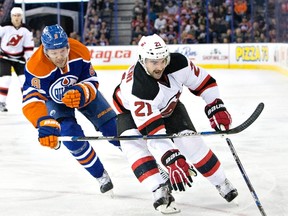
[11,59]
[235,130]
[245,176]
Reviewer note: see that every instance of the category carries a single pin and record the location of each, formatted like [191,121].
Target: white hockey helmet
[152,47]
[16,10]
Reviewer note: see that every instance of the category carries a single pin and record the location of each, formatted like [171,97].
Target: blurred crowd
[221,21]
[1,9]
[97,30]
[98,23]
[188,21]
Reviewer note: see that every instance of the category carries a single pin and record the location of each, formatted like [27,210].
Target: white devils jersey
[148,99]
[16,43]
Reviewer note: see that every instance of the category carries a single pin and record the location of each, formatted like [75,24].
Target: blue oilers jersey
[45,81]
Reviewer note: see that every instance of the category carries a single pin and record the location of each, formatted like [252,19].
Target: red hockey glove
[77,96]
[178,169]
[218,115]
[48,132]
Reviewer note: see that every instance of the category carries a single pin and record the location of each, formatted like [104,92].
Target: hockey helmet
[152,47]
[54,37]
[16,10]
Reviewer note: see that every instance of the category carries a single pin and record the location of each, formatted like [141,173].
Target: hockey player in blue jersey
[59,80]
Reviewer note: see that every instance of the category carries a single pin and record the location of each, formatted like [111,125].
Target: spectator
[1,11]
[240,9]
[239,36]
[228,14]
[172,8]
[90,41]
[137,32]
[225,40]
[103,41]
[229,34]
[152,15]
[37,37]
[92,31]
[245,25]
[190,38]
[138,8]
[158,6]
[163,33]
[202,35]
[106,5]
[137,21]
[160,22]
[191,26]
[171,35]
[104,29]
[75,36]
[96,21]
[133,41]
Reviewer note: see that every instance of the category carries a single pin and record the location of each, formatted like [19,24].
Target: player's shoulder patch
[78,50]
[177,62]
[144,86]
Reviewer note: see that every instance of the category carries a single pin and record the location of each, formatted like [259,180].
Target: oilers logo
[57,89]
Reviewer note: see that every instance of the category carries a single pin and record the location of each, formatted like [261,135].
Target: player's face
[59,57]
[16,20]
[155,67]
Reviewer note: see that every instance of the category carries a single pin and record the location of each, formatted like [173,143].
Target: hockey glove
[77,96]
[218,115]
[178,169]
[48,132]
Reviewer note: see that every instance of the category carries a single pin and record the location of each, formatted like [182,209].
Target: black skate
[227,191]
[105,182]
[164,201]
[3,107]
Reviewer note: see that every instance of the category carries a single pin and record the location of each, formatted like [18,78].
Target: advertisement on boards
[230,56]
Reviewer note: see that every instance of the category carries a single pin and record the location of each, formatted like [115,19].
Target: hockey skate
[105,182]
[227,191]
[165,177]
[164,201]
[3,107]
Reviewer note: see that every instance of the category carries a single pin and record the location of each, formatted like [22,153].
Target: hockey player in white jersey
[16,48]
[148,103]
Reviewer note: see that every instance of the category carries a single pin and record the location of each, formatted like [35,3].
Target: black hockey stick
[11,59]
[245,176]
[235,130]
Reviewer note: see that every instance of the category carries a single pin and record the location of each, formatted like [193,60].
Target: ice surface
[37,181]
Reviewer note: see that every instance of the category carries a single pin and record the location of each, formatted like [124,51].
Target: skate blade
[235,201]
[171,209]
[110,193]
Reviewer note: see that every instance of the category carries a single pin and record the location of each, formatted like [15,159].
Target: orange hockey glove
[77,96]
[48,132]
